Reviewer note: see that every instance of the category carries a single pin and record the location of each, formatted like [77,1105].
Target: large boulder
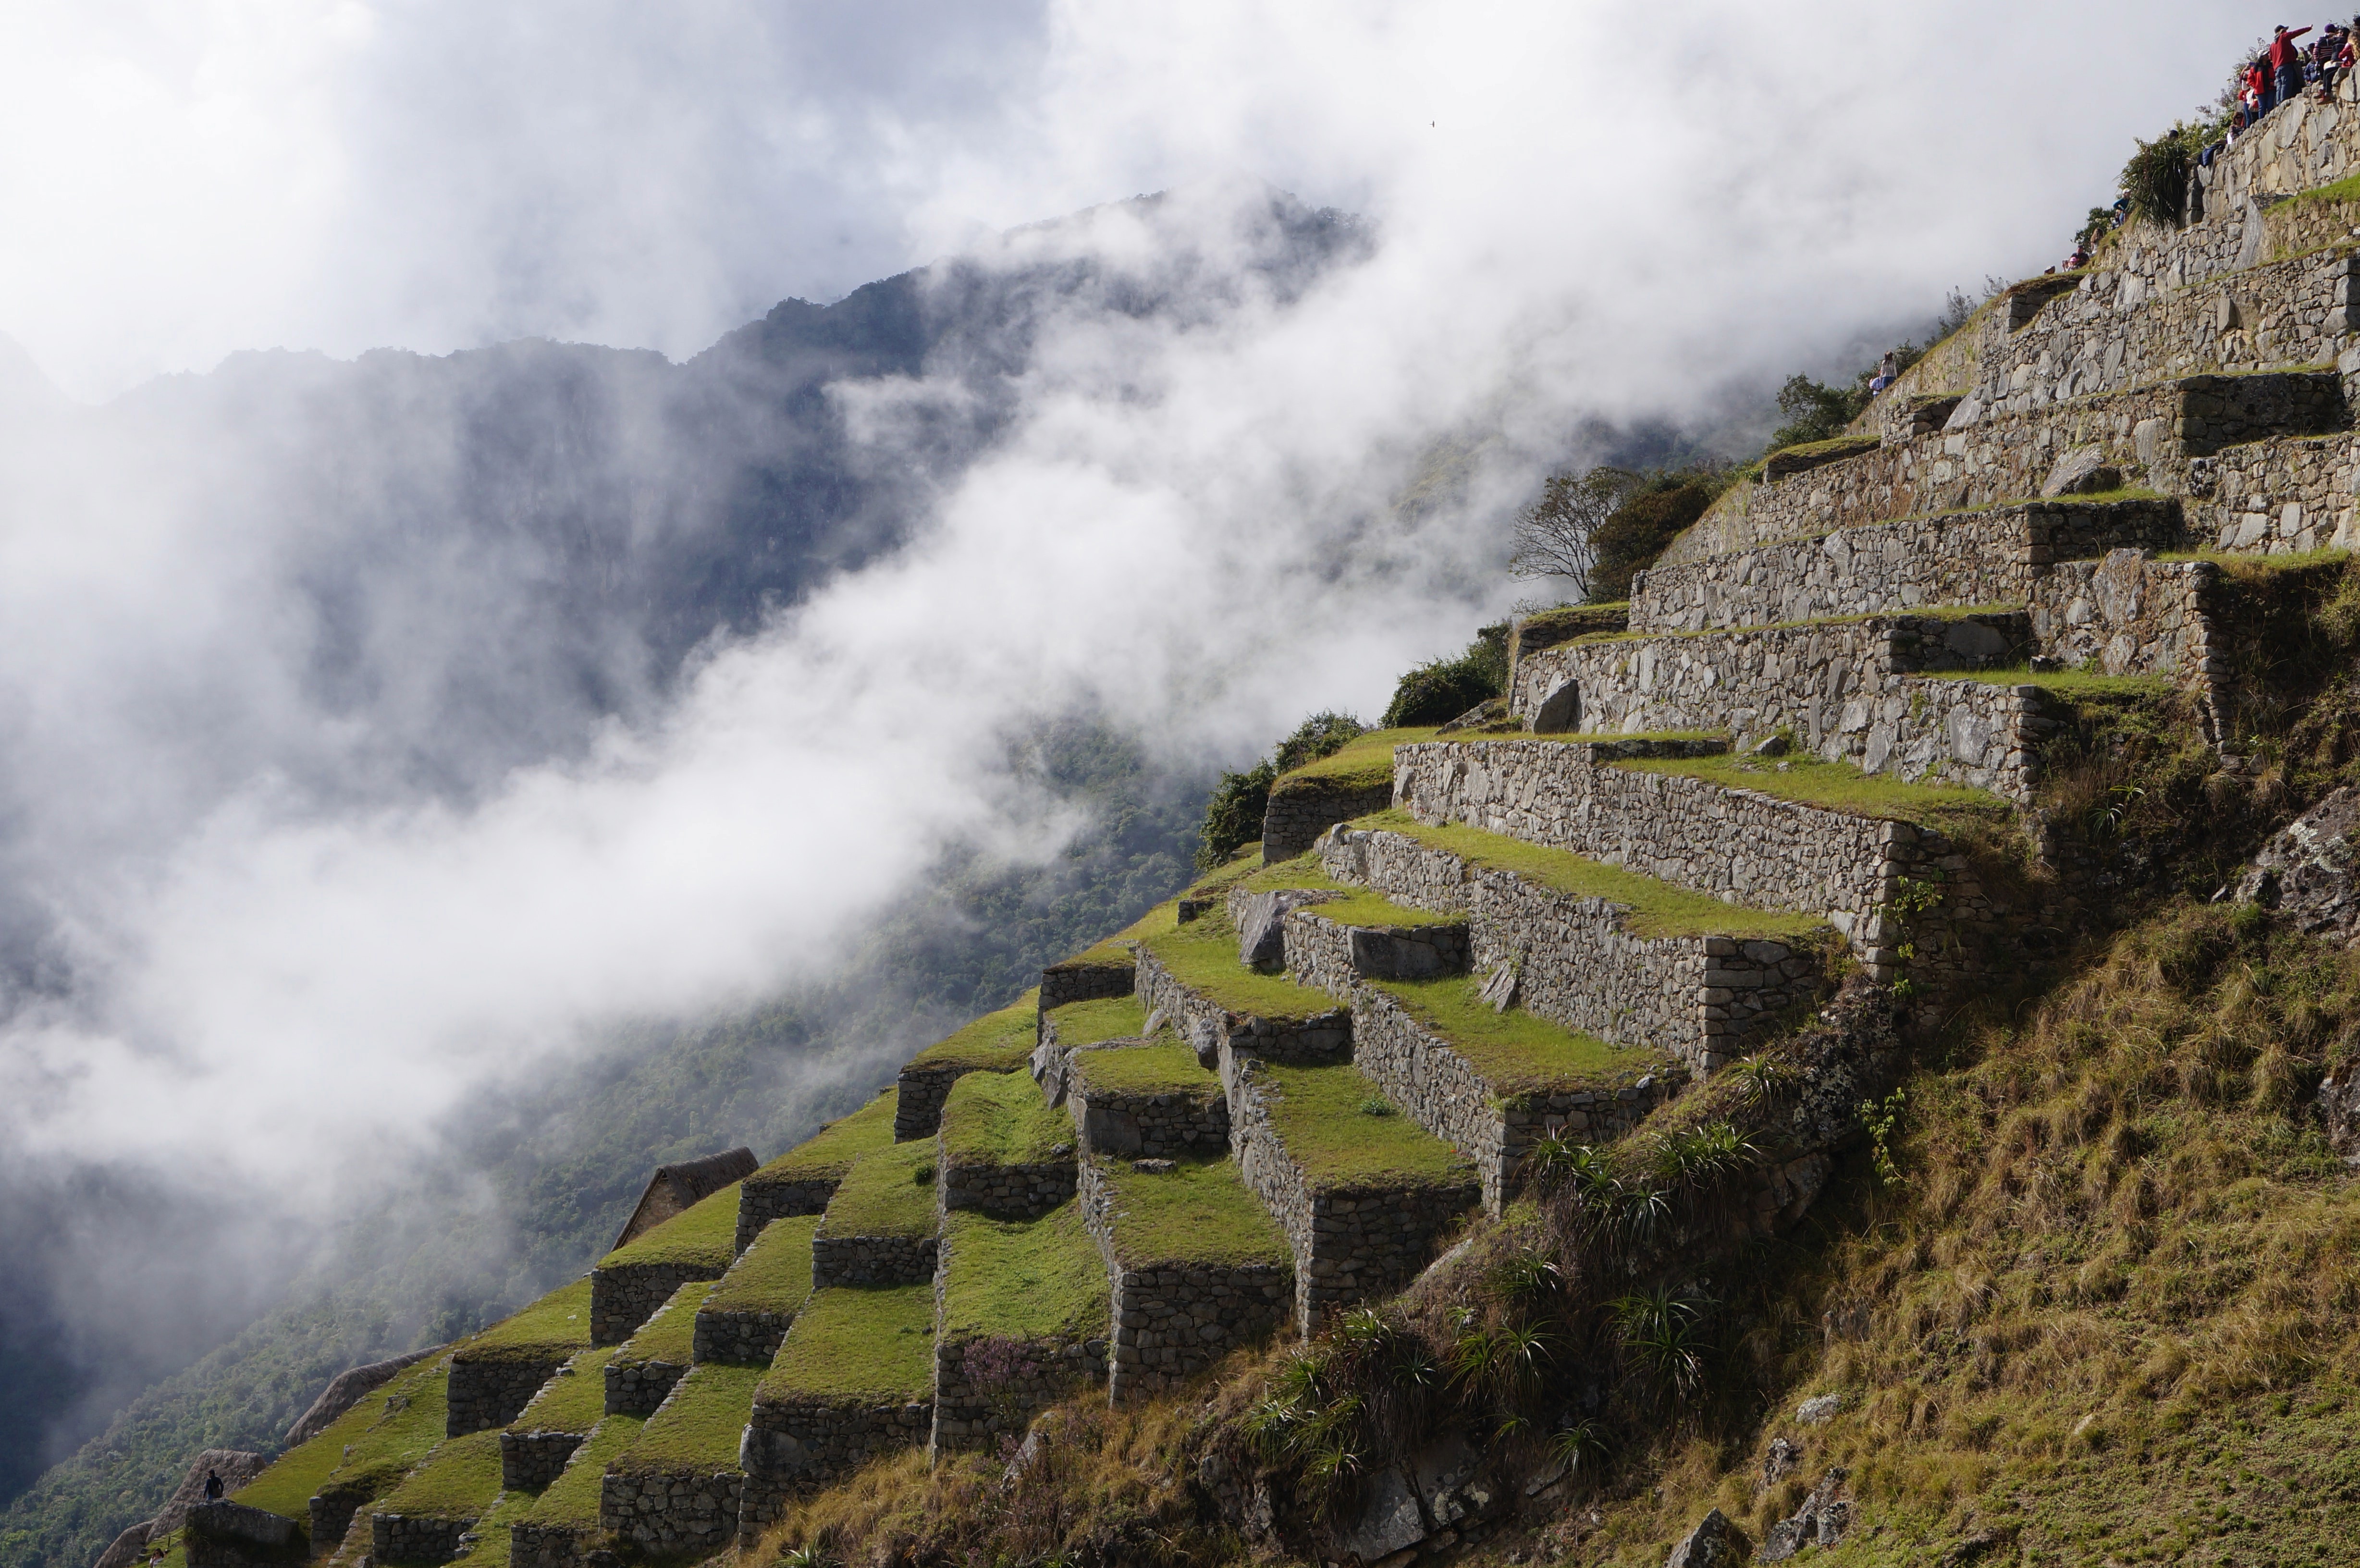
[344,1390]
[2306,870]
[235,1467]
[1714,1543]
[1262,926]
[1389,1521]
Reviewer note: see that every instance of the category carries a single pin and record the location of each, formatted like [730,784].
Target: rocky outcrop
[2310,872]
[1821,1521]
[344,1391]
[235,1467]
[230,1535]
[1714,1543]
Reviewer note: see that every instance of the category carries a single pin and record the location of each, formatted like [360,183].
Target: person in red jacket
[2259,88]
[2286,61]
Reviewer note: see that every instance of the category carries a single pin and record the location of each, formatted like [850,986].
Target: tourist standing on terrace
[2260,89]
[2286,62]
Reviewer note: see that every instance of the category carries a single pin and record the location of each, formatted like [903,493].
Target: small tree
[1233,816]
[1554,535]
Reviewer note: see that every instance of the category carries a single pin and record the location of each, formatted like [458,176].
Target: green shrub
[1637,532]
[1441,689]
[2155,178]
[1233,816]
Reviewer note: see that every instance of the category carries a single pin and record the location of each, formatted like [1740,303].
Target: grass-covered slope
[889,1192]
[1344,1135]
[699,1426]
[867,1346]
[773,1275]
[1023,1279]
[1516,1051]
[573,1400]
[390,1430]
[1203,956]
[1164,1067]
[669,1335]
[1199,1211]
[995,1043]
[1000,1119]
[705,1234]
[1110,1017]
[458,1480]
[828,1153]
[571,1502]
[558,1321]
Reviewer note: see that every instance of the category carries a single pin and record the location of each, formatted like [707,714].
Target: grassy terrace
[996,1042]
[875,1347]
[1110,1017]
[1203,955]
[1355,906]
[1165,915]
[1513,1051]
[458,1480]
[560,1318]
[573,1400]
[390,1430]
[1343,1134]
[1363,764]
[889,1192]
[828,1153]
[2072,684]
[1024,1278]
[1655,908]
[771,1276]
[573,1499]
[706,1233]
[1198,1212]
[1163,1068]
[1568,621]
[491,1548]
[670,1335]
[698,1427]
[1842,787]
[1000,1119]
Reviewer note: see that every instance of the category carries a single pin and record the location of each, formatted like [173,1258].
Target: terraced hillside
[1798,994]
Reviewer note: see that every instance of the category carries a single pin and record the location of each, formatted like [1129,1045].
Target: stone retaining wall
[1443,1093]
[920,1092]
[1349,1243]
[760,1202]
[871,1260]
[489,1389]
[1156,1125]
[1578,965]
[415,1538]
[968,1416]
[627,1295]
[333,1507]
[1970,558]
[1173,1321]
[1005,1191]
[744,1337]
[2130,615]
[2280,496]
[690,1514]
[1320,1037]
[529,1461]
[1850,692]
[637,1387]
[1336,957]
[798,1446]
[230,1535]
[1064,983]
[547,1545]
[1298,813]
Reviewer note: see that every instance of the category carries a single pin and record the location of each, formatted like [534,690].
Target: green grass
[670,1335]
[1198,1212]
[458,1480]
[1356,905]
[1567,617]
[573,1400]
[1654,908]
[705,1233]
[573,1499]
[1363,764]
[1165,915]
[889,1192]
[995,1041]
[2239,564]
[700,1425]
[2067,683]
[390,1429]
[491,1548]
[1110,1017]
[1024,1278]
[560,1318]
[1164,1068]
[1000,1119]
[1317,1114]
[828,1153]
[773,1275]
[1203,956]
[1516,1051]
[1842,787]
[877,1347]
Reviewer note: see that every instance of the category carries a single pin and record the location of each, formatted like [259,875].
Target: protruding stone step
[1002,1149]
[1147,1099]
[749,1310]
[880,1228]
[1192,977]
[803,1179]
[496,1374]
[996,1042]
[1021,1322]
[674,1492]
[1198,1267]
[632,1282]
[852,1383]
[643,1370]
[1595,947]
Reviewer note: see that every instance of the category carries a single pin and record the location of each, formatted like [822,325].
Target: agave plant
[1661,1335]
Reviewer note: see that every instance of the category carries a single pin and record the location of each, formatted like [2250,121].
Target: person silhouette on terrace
[2286,62]
[212,1486]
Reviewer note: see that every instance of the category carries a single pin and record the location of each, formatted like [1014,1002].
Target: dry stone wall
[974,1406]
[230,1535]
[1578,965]
[1064,983]
[637,1387]
[1297,814]
[2131,614]
[1006,1191]
[1970,558]
[797,1446]
[871,1260]
[529,1461]
[744,1337]
[1320,1037]
[760,1202]
[547,1545]
[1336,957]
[627,1295]
[687,1514]
[489,1390]
[919,1093]
[1153,1123]
[415,1538]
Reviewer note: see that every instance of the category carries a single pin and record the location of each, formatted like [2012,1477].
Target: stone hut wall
[689,1514]
[967,1416]
[760,1202]
[1696,996]
[332,1507]
[529,1461]
[637,1387]
[744,1337]
[1297,814]
[1320,1038]
[491,1390]
[1173,1321]
[1977,557]
[411,1538]
[871,1260]
[799,1446]
[1005,1191]
[627,1295]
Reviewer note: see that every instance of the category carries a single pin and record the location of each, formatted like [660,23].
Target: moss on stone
[457,1481]
[1842,787]
[1199,1211]
[705,1234]
[1654,908]
[560,1319]
[573,1400]
[388,1429]
[671,1334]
[700,1425]
[828,1153]
[1323,1116]
[773,1275]
[572,1500]
[1000,1119]
[993,1042]
[1023,1279]
[1516,1051]
[873,1345]
[1164,1067]
[1363,764]
[889,1192]
[1203,956]
[1110,1017]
